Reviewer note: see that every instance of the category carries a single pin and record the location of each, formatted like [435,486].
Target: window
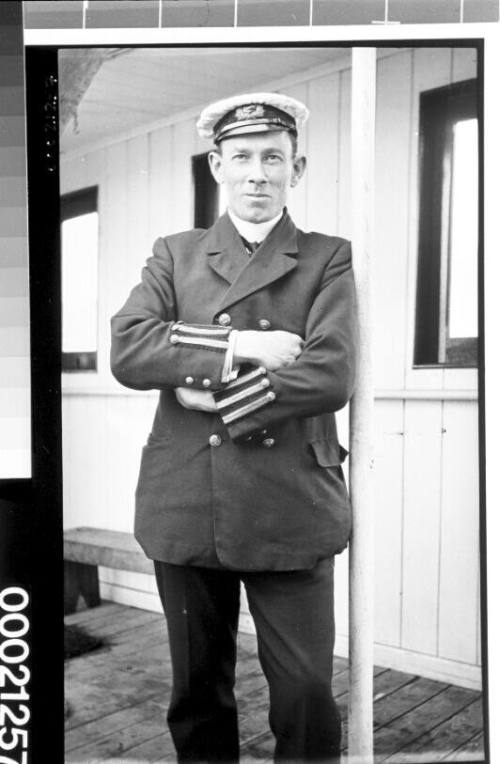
[206,193]
[446,314]
[79,256]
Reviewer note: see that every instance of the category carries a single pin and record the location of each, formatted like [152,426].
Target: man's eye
[273,158]
[239,157]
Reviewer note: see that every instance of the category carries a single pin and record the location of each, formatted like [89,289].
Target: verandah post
[361,556]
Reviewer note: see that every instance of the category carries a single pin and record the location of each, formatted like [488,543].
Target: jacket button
[189,380]
[224,319]
[268,442]
[206,383]
[215,440]
[264,324]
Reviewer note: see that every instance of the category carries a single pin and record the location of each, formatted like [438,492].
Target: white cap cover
[250,113]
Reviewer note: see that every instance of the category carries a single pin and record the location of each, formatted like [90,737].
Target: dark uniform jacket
[257,485]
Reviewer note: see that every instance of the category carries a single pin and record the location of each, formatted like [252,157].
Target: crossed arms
[270,350]
[282,374]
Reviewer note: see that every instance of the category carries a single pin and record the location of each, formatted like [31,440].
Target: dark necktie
[250,246]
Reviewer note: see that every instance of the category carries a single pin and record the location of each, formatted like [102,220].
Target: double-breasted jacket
[258,484]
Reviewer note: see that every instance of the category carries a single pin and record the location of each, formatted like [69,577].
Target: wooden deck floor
[118,696]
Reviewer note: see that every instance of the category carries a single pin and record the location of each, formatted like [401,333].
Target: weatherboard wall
[426,465]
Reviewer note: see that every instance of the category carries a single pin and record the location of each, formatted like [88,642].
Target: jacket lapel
[227,256]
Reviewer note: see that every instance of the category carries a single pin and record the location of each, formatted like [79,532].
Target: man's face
[257,171]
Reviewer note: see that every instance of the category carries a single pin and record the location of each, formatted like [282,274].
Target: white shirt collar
[253,231]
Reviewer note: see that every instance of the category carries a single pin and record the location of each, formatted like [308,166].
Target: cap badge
[252,111]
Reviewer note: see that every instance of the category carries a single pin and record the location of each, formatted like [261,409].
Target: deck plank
[158,749]
[404,729]
[90,667]
[402,701]
[473,750]
[258,748]
[389,682]
[150,637]
[117,622]
[148,634]
[445,737]
[115,688]
[91,703]
[93,614]
[119,695]
[104,726]
[148,723]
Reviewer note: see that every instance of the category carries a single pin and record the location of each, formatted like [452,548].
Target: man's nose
[256,173]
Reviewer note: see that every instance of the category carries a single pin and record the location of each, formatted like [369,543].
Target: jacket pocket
[155,439]
[328,453]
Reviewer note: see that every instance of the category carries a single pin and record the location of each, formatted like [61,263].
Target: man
[247,329]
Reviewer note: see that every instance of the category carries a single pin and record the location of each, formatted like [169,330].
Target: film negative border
[148,14]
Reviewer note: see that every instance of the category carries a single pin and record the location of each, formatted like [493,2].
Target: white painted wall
[426,468]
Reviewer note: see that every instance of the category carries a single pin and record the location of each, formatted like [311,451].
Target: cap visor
[252,129]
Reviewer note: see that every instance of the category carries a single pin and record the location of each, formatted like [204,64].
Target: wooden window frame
[72,205]
[440,109]
[206,192]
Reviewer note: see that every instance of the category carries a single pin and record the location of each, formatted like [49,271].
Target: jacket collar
[276,256]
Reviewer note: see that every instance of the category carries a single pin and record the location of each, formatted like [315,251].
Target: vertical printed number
[8,625]
[12,592]
[19,653]
[7,675]
[14,677]
[16,736]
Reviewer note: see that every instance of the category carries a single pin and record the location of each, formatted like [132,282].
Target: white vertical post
[361,558]
[491,171]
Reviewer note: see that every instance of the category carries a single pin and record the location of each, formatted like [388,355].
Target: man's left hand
[200,400]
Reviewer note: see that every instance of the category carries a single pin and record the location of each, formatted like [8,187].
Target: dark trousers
[293,614]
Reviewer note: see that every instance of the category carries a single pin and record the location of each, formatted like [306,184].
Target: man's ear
[299,167]
[215,162]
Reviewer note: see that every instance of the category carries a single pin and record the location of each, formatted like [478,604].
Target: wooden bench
[85,549]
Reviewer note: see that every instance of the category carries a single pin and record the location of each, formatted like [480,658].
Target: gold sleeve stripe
[249,408]
[205,342]
[200,330]
[244,378]
[243,394]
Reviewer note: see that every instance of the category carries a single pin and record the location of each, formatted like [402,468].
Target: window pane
[79,242]
[446,327]
[462,302]
[206,193]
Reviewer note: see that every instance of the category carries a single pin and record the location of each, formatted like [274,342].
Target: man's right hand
[269,349]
